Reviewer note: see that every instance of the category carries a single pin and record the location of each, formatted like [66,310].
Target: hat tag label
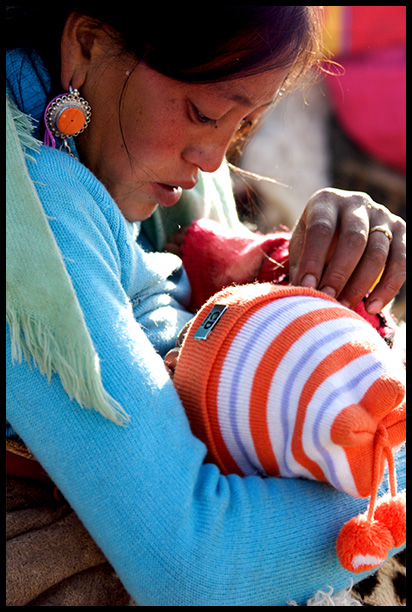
[207,326]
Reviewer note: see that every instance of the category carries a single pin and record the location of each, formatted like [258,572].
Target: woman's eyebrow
[244,101]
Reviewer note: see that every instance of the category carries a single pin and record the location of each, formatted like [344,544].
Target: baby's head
[285,381]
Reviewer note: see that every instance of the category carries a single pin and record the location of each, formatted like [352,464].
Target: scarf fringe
[24,125]
[38,344]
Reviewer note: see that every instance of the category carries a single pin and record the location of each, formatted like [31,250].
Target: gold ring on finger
[382,228]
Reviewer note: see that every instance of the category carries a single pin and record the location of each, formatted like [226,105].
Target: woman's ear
[78,49]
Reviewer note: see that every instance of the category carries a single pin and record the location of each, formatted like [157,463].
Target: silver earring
[66,116]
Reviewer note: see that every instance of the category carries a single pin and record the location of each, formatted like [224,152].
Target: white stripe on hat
[345,387]
[291,376]
[240,366]
[297,366]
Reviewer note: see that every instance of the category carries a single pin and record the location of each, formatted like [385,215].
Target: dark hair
[185,43]
[189,43]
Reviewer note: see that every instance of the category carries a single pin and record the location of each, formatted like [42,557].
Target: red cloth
[372,27]
[370,97]
[370,102]
[215,257]
[378,321]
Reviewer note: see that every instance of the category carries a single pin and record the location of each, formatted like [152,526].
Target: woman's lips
[167,195]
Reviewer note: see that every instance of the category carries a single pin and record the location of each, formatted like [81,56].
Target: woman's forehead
[251,91]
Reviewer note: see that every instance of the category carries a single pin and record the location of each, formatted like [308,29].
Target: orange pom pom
[363,544]
[391,511]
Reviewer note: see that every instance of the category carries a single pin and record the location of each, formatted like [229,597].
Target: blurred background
[346,131]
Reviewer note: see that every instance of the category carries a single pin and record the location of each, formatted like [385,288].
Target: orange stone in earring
[67,115]
[70,120]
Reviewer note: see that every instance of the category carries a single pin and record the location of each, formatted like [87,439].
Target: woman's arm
[175,530]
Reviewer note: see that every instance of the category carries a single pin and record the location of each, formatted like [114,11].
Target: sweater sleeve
[175,530]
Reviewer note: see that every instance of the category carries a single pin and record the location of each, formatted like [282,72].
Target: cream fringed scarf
[42,309]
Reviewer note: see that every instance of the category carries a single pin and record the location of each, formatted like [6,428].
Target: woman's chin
[140,213]
[136,210]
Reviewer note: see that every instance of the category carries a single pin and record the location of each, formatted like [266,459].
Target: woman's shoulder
[84,218]
[71,194]
[64,176]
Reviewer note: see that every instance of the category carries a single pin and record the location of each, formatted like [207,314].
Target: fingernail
[329,291]
[309,281]
[374,307]
[344,303]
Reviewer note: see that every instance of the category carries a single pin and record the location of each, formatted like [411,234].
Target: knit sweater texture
[176,531]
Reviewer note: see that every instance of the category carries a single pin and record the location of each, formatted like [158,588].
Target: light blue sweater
[175,530]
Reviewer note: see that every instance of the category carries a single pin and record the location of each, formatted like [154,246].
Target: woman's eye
[201,118]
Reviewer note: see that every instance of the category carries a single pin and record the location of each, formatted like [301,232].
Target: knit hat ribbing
[290,383]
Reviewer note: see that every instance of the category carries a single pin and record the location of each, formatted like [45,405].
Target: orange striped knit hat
[284,381]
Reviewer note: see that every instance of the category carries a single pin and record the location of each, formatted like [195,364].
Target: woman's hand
[341,244]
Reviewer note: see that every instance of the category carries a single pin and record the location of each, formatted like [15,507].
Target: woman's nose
[207,157]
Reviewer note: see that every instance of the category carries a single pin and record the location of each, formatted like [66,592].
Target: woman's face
[149,134]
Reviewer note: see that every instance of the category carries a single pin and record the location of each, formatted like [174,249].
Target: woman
[167,98]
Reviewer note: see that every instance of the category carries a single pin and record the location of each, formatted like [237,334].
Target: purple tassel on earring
[49,139]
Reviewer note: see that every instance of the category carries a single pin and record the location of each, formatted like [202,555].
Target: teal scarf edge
[72,357]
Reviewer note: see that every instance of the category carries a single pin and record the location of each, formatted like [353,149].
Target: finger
[296,244]
[367,271]
[350,248]
[183,333]
[311,241]
[171,359]
[394,273]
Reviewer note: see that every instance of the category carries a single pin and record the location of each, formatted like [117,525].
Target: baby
[284,381]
